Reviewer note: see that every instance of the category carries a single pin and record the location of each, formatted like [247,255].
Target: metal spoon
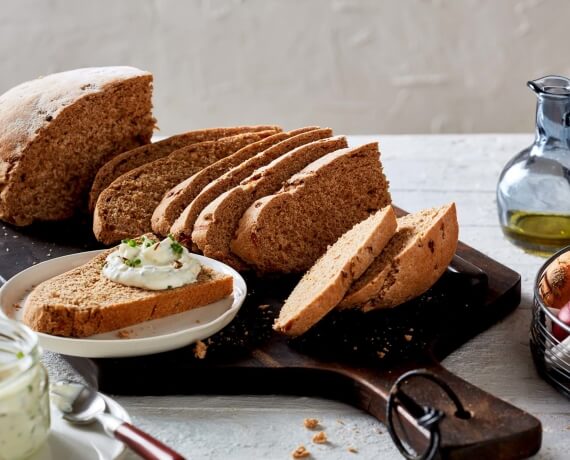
[81,405]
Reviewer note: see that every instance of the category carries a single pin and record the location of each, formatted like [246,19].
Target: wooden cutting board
[350,356]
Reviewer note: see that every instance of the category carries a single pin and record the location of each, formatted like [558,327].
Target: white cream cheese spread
[152,265]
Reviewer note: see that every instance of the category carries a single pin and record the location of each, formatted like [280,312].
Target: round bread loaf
[56,131]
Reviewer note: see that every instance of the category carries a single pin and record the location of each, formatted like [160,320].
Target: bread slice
[57,131]
[134,158]
[184,225]
[126,206]
[414,259]
[217,223]
[326,282]
[82,302]
[177,198]
[289,230]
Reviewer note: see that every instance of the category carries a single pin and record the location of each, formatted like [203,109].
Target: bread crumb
[124,334]
[408,337]
[352,450]
[339,421]
[264,306]
[16,306]
[300,452]
[311,423]
[200,349]
[380,354]
[320,438]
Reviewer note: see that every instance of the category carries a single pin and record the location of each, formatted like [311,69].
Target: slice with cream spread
[152,265]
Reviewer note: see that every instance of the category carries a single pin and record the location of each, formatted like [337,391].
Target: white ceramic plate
[142,339]
[87,442]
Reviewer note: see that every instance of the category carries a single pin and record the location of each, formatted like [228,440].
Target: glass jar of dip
[24,392]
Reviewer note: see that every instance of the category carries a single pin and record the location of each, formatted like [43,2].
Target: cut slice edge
[215,226]
[414,259]
[326,282]
[131,159]
[183,227]
[177,199]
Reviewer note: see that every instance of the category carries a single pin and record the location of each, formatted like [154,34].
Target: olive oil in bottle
[538,233]
[533,193]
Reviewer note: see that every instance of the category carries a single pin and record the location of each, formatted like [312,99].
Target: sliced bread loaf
[326,282]
[82,302]
[57,131]
[414,259]
[289,230]
[177,198]
[125,207]
[217,223]
[134,158]
[184,225]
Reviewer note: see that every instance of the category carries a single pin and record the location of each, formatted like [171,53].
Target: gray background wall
[360,66]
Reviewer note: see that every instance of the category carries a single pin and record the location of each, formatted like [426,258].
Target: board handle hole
[463,414]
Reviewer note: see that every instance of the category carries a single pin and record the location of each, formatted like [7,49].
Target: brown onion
[555,282]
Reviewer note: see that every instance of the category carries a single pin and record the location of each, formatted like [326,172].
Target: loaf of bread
[217,223]
[134,158]
[178,198]
[82,302]
[125,207]
[57,131]
[327,281]
[183,226]
[289,230]
[414,259]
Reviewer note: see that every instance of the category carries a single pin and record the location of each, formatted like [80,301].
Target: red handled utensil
[82,405]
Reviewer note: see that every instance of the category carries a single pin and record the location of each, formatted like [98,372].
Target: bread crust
[131,159]
[415,269]
[33,111]
[325,284]
[59,305]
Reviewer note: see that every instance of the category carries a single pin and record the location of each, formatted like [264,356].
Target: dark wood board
[350,356]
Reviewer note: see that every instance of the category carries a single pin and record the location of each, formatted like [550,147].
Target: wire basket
[551,356]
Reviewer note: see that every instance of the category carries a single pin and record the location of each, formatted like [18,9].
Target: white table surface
[424,171]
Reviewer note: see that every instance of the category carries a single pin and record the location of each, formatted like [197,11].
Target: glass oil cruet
[533,193]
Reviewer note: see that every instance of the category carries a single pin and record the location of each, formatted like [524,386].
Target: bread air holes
[431,246]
